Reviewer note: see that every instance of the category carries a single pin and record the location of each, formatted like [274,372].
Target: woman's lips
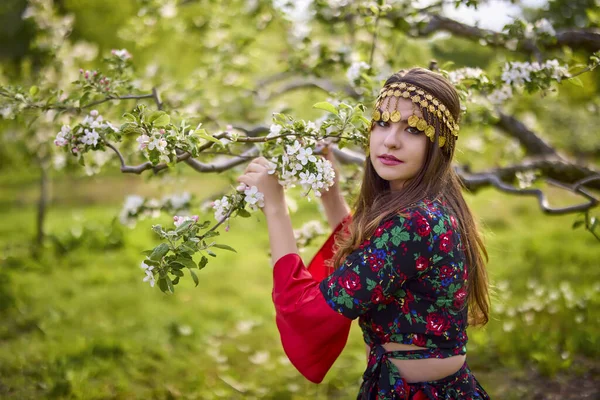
[389,161]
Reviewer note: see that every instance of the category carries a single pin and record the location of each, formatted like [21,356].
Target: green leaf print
[382,240]
[439,228]
[443,302]
[371,284]
[344,299]
[399,235]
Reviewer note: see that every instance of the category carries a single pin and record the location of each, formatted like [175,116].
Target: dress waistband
[378,371]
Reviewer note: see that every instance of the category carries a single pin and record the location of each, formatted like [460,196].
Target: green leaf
[159,118]
[210,234]
[202,263]
[162,284]
[194,277]
[186,262]
[224,247]
[33,90]
[202,133]
[324,105]
[159,252]
[576,81]
[147,252]
[129,117]
[178,272]
[183,226]
[243,213]
[210,253]
[162,121]
[170,287]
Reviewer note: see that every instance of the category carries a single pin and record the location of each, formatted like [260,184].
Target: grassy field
[82,324]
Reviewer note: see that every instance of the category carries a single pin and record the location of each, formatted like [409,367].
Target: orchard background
[188,91]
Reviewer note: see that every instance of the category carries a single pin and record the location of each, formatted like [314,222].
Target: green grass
[83,325]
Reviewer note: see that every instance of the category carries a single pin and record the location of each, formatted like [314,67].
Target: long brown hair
[377,202]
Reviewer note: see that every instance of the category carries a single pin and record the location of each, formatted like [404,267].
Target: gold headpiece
[430,107]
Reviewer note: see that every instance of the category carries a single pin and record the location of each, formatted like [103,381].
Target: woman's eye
[413,130]
[382,124]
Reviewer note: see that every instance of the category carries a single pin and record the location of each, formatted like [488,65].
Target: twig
[156,97]
[374,40]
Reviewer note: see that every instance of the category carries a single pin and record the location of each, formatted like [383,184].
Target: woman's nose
[392,139]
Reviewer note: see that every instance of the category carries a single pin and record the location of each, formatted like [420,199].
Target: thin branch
[485,179]
[218,223]
[308,82]
[374,40]
[110,98]
[253,132]
[156,97]
[223,166]
[113,147]
[588,40]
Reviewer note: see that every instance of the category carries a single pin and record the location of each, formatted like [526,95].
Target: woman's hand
[257,174]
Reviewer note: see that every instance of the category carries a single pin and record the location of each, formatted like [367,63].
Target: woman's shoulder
[430,208]
[427,216]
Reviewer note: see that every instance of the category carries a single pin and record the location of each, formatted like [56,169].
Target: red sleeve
[312,333]
[317,267]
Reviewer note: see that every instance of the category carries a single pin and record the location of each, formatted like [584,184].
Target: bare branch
[485,179]
[308,82]
[533,144]
[223,166]
[374,40]
[110,98]
[253,132]
[110,145]
[156,97]
[588,40]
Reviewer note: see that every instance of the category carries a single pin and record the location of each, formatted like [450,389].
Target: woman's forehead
[405,106]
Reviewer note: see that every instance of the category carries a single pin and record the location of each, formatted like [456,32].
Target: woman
[409,263]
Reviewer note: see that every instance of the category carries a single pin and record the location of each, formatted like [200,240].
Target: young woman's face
[397,140]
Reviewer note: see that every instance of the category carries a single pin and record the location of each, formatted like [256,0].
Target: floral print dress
[405,284]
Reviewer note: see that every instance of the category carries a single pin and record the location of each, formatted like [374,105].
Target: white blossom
[178,220]
[143,140]
[254,198]
[61,139]
[90,138]
[355,70]
[123,54]
[274,130]
[221,208]
[499,96]
[291,150]
[149,274]
[544,26]
[305,155]
[178,201]
[461,74]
